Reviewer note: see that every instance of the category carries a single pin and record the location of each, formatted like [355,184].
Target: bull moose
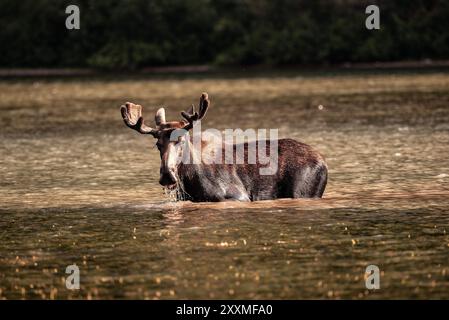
[301,172]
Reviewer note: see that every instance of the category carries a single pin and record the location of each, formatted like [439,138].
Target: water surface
[78,187]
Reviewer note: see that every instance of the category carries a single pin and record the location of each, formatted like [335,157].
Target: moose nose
[167,178]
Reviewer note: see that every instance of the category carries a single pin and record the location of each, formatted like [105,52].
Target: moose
[301,171]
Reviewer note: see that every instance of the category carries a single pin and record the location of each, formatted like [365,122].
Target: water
[78,187]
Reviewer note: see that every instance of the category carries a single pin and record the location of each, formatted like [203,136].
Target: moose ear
[159,118]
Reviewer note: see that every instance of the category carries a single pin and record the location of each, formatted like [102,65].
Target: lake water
[78,187]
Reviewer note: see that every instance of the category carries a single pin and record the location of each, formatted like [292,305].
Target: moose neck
[194,166]
[192,175]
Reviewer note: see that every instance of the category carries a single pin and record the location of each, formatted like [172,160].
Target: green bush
[117,34]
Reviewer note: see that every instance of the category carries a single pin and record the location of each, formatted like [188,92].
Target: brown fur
[301,171]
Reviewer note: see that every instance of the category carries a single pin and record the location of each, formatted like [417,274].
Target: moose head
[170,145]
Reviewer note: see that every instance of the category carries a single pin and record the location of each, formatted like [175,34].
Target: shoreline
[209,69]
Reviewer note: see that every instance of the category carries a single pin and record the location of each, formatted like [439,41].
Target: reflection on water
[76,186]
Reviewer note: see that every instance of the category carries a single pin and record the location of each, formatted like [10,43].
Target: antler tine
[192,116]
[132,116]
[159,118]
[204,104]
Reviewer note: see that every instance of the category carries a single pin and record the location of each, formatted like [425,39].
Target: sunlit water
[78,187]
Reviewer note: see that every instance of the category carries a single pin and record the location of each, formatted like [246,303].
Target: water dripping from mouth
[172,194]
[176,193]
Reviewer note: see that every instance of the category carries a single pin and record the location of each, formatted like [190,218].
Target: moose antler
[192,115]
[132,116]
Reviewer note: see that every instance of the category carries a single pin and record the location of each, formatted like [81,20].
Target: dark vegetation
[137,33]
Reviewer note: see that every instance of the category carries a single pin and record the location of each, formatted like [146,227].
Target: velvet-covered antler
[192,115]
[132,116]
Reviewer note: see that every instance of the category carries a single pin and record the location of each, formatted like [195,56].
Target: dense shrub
[136,33]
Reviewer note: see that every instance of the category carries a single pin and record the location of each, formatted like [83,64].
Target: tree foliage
[135,33]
